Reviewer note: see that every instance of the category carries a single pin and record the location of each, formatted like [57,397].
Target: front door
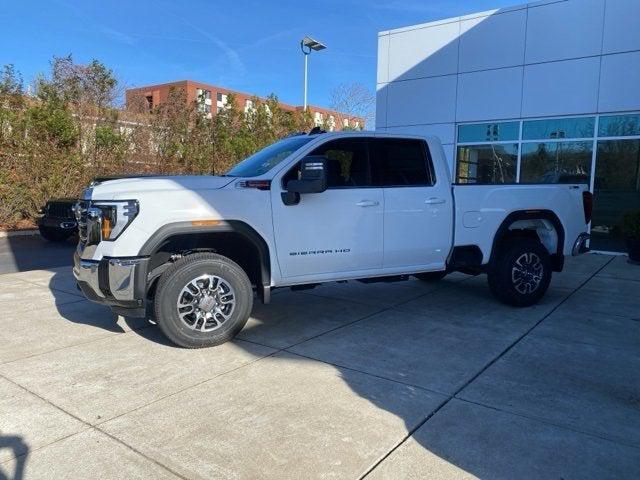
[339,230]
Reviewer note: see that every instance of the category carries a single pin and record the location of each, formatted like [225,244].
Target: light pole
[306,45]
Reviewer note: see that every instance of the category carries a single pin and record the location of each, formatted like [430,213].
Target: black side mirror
[313,179]
[313,176]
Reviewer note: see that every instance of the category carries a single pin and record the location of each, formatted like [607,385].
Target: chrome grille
[80,210]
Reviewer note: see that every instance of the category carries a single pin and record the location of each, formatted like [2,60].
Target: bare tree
[353,100]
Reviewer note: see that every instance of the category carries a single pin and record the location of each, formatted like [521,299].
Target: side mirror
[313,176]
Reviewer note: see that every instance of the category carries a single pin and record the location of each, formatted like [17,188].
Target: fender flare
[503,229]
[160,236]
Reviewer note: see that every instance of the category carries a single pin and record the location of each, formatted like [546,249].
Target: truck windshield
[267,158]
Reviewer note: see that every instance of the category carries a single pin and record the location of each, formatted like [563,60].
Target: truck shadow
[460,437]
[32,252]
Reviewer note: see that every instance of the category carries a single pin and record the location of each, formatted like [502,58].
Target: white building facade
[537,93]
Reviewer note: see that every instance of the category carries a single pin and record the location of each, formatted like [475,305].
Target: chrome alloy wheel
[206,303]
[527,272]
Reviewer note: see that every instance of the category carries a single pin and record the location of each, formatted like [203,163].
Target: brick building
[211,99]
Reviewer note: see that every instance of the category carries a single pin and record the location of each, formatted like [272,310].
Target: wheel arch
[232,238]
[528,223]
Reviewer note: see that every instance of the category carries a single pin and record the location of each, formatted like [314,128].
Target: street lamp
[307,44]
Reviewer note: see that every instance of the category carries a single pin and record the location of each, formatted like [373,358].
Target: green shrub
[52,143]
[631,224]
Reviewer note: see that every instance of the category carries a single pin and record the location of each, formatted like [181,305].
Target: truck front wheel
[203,300]
[521,273]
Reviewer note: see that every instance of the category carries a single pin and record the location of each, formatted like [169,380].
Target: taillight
[587,203]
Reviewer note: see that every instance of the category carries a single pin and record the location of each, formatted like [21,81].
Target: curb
[18,233]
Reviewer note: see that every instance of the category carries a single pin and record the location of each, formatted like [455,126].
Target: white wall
[548,58]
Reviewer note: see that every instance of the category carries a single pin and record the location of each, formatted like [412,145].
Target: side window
[293,174]
[347,163]
[401,163]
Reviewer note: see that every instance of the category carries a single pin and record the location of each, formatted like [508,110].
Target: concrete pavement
[32,252]
[385,381]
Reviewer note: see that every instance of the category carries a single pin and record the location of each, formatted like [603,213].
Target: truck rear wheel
[522,272]
[203,300]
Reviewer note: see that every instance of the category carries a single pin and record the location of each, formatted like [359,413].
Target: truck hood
[129,187]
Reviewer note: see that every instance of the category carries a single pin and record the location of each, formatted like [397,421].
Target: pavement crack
[547,422]
[484,369]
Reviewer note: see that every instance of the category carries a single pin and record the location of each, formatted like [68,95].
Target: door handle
[434,201]
[367,203]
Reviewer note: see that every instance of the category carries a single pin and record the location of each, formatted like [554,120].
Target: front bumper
[57,222]
[119,283]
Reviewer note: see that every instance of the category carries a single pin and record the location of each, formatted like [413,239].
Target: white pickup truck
[310,209]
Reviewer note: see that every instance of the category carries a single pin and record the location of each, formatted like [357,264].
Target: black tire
[529,282]
[55,234]
[170,289]
[431,276]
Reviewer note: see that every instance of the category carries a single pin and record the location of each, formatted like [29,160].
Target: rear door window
[400,163]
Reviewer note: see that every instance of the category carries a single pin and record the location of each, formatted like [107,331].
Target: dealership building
[547,92]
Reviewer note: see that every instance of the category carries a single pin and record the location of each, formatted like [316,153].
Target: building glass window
[616,190]
[619,126]
[488,132]
[202,94]
[556,162]
[221,101]
[561,150]
[487,164]
[558,128]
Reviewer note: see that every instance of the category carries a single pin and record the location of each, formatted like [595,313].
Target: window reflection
[616,191]
[560,150]
[487,164]
[488,132]
[558,128]
[619,126]
[556,162]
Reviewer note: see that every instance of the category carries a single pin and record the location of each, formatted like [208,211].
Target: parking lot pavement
[32,252]
[395,380]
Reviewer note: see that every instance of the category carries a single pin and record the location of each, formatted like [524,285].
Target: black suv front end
[58,222]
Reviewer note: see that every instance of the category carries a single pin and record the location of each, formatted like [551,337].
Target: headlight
[116,216]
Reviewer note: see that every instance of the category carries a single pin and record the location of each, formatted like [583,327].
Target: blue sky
[251,46]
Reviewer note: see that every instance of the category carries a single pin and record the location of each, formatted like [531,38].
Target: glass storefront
[616,190]
[561,150]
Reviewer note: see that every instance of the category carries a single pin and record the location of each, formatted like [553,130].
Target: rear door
[339,230]
[418,212]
